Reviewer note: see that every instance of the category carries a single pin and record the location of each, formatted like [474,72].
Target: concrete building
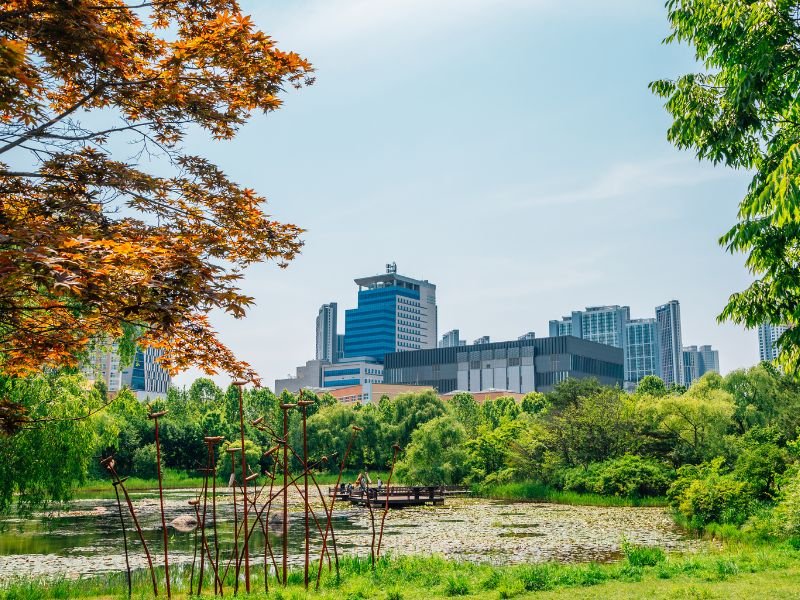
[519,366]
[145,377]
[559,328]
[309,376]
[668,319]
[531,335]
[352,371]
[339,347]
[327,332]
[395,313]
[642,355]
[484,339]
[768,341]
[697,362]
[452,339]
[373,392]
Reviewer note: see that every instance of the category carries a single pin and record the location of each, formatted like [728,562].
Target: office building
[518,366]
[395,313]
[308,376]
[339,347]
[451,339]
[768,341]
[145,377]
[668,321]
[327,332]
[484,339]
[528,336]
[697,362]
[642,356]
[601,324]
[352,371]
[562,327]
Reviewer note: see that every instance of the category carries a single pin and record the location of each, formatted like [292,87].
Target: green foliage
[252,457]
[787,511]
[704,494]
[466,410]
[642,556]
[742,110]
[436,454]
[534,403]
[651,385]
[145,463]
[628,476]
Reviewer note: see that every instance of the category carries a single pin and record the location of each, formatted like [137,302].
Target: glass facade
[641,349]
[668,318]
[383,322]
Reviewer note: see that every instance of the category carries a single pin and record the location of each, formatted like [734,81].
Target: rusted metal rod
[329,527]
[211,441]
[240,384]
[232,451]
[304,404]
[285,542]
[109,464]
[196,505]
[395,450]
[124,538]
[154,417]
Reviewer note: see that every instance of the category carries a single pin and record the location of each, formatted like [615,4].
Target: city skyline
[517,204]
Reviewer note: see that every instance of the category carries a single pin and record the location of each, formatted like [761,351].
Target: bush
[629,476]
[642,556]
[144,462]
[252,456]
[456,586]
[703,495]
[787,512]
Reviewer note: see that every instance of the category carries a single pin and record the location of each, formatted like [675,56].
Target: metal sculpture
[395,450]
[239,385]
[154,417]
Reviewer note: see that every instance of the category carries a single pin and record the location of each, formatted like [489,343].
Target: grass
[537,492]
[175,479]
[735,571]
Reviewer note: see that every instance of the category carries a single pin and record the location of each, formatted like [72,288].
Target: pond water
[85,537]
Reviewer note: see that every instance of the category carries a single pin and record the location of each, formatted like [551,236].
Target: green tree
[466,410]
[436,454]
[743,110]
[651,385]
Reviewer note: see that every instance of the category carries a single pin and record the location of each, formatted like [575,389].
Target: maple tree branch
[41,128]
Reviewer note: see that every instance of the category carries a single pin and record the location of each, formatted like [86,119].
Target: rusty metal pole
[329,527]
[239,385]
[285,408]
[395,450]
[232,451]
[304,404]
[211,468]
[196,504]
[155,416]
[124,537]
[108,463]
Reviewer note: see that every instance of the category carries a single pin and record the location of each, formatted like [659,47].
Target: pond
[85,537]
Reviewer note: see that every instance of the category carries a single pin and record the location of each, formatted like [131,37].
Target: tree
[743,111]
[94,245]
[651,385]
[436,454]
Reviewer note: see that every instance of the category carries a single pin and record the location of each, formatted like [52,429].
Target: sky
[508,151]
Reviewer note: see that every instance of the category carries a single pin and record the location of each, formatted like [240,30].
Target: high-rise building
[395,313]
[528,336]
[327,332]
[561,328]
[339,347]
[146,378]
[642,355]
[670,342]
[484,339]
[768,341]
[450,339]
[697,362]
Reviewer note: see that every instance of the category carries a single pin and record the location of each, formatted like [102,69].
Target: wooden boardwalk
[399,496]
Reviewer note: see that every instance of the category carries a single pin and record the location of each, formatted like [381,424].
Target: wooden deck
[399,496]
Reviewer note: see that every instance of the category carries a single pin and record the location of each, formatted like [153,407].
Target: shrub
[456,586]
[642,556]
[144,462]
[628,476]
[703,495]
[787,512]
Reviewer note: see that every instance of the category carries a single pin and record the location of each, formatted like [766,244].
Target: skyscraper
[768,341]
[395,313]
[697,362]
[561,328]
[668,318]
[326,332]
[601,324]
[145,377]
[450,339]
[642,355]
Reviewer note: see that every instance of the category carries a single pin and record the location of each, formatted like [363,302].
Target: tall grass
[536,492]
[415,577]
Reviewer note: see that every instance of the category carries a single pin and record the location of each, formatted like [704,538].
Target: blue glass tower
[395,313]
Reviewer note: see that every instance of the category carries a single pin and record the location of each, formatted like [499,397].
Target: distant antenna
[391,268]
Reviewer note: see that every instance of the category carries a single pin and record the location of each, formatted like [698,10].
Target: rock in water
[184,523]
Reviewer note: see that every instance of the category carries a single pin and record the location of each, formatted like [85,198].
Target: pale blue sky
[508,151]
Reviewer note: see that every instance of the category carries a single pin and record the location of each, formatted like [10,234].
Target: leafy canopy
[95,237]
[743,111]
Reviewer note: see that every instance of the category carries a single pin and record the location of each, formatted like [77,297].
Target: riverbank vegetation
[641,571]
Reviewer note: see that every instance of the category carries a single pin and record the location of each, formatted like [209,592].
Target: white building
[768,341]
